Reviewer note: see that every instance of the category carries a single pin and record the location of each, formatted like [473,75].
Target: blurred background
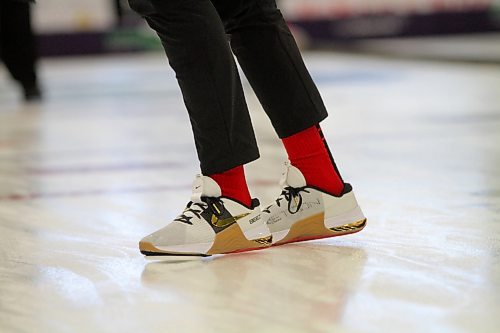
[75,27]
[102,154]
[450,30]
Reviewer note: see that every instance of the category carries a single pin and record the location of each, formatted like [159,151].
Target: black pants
[17,43]
[193,33]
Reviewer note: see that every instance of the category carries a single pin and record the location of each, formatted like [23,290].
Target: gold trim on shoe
[352,227]
[221,223]
[264,240]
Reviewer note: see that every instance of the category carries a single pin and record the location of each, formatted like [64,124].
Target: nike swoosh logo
[221,223]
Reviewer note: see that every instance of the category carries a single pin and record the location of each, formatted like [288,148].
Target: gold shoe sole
[314,228]
[230,240]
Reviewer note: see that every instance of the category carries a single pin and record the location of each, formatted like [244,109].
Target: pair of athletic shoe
[212,224]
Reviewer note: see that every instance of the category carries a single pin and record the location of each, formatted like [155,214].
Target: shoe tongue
[292,176]
[204,186]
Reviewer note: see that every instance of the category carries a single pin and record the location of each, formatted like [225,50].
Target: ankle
[233,185]
[309,152]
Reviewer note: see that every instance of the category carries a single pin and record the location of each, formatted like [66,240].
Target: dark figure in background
[18,47]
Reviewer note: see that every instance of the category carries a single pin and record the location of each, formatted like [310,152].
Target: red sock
[308,151]
[234,185]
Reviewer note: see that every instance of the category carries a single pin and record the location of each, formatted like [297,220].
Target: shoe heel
[352,216]
[349,228]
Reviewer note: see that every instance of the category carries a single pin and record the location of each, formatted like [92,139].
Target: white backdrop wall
[97,15]
[338,8]
[72,15]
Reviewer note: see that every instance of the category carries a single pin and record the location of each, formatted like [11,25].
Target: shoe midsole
[231,239]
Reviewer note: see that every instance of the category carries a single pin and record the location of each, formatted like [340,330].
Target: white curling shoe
[210,224]
[302,212]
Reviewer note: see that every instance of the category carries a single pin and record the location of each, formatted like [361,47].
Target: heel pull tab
[291,176]
[204,186]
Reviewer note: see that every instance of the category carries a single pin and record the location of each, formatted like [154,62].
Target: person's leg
[308,151]
[271,60]
[198,51]
[220,217]
[17,46]
[315,202]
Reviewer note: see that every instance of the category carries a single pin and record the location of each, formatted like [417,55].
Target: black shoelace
[290,193]
[215,205]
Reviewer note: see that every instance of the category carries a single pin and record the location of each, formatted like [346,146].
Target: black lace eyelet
[289,193]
